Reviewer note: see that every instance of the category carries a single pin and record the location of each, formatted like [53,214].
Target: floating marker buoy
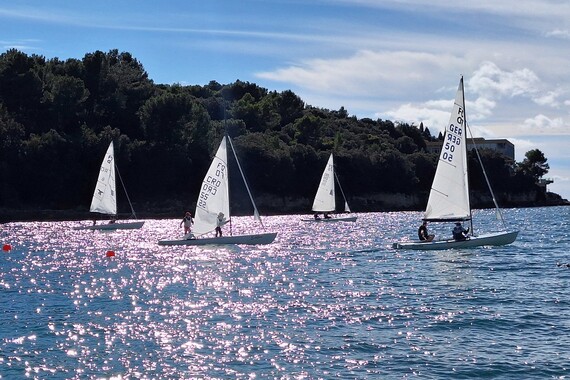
[110,254]
[6,247]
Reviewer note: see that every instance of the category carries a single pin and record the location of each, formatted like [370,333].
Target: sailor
[423,232]
[220,222]
[187,221]
[459,233]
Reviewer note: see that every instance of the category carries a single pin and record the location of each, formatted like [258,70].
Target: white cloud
[550,98]
[367,73]
[480,109]
[433,118]
[541,123]
[564,34]
[490,81]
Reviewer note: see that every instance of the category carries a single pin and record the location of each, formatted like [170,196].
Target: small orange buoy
[6,247]
[110,254]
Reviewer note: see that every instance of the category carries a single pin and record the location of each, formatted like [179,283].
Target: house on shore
[503,146]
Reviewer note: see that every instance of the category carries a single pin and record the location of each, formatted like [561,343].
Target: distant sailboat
[104,199]
[449,197]
[214,203]
[325,199]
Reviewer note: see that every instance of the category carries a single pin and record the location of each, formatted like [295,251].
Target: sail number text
[211,184]
[453,138]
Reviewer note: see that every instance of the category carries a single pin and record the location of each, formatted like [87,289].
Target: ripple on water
[323,301]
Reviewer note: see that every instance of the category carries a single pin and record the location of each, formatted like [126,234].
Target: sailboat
[325,199]
[449,196]
[104,199]
[214,203]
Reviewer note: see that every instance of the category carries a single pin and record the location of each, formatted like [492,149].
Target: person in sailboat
[459,233]
[220,222]
[316,216]
[327,215]
[187,222]
[423,232]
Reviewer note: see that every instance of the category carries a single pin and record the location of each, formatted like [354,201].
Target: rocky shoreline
[385,202]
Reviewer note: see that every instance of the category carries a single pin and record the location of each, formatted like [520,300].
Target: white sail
[213,200]
[449,196]
[214,194]
[325,197]
[105,196]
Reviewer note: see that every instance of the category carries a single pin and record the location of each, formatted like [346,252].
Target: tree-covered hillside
[58,116]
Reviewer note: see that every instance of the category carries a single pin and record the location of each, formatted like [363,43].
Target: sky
[398,60]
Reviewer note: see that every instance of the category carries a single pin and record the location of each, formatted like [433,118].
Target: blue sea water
[323,301]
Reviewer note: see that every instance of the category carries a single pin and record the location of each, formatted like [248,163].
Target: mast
[466,161]
[228,164]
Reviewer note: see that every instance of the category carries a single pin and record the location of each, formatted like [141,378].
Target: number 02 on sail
[449,196]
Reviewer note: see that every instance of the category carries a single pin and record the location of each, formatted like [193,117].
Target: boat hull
[113,226]
[254,239]
[491,239]
[330,220]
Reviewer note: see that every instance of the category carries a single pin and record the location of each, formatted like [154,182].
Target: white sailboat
[104,199]
[325,199]
[213,202]
[449,196]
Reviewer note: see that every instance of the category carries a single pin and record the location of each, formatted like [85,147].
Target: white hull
[497,238]
[331,219]
[113,226]
[265,238]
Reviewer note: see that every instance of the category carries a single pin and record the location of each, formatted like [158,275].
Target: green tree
[11,136]
[164,116]
[21,87]
[534,164]
[65,96]
[307,130]
[290,107]
[246,109]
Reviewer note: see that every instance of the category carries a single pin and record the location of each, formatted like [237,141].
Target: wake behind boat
[104,199]
[449,196]
[325,199]
[213,207]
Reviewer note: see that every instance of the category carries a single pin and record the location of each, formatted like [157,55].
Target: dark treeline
[57,118]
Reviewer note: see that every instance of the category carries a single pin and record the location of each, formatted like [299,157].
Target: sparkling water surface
[325,300]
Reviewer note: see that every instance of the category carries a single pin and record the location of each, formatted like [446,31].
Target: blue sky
[399,60]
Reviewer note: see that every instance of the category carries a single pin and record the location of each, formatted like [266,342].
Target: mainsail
[214,194]
[325,197]
[105,196]
[213,200]
[449,195]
